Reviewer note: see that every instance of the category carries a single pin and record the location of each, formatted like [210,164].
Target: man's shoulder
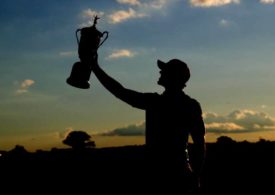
[193,102]
[191,99]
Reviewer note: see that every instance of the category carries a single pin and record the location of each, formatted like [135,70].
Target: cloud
[89,15]
[238,121]
[263,106]
[155,4]
[92,13]
[267,1]
[130,2]
[67,53]
[136,9]
[122,53]
[130,130]
[143,10]
[212,3]
[122,15]
[223,127]
[224,23]
[24,86]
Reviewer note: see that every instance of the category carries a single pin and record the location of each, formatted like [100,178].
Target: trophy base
[80,76]
[78,84]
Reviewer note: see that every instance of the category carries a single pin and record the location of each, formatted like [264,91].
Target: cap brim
[161,64]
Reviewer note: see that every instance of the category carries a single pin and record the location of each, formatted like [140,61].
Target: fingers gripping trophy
[88,45]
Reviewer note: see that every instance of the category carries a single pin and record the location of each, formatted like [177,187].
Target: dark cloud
[130,130]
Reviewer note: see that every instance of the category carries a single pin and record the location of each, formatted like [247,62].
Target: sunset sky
[229,46]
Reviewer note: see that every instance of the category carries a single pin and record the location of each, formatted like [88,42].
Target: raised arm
[135,99]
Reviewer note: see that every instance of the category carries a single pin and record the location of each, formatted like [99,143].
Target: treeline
[230,166]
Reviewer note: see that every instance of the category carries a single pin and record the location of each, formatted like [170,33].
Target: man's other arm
[198,137]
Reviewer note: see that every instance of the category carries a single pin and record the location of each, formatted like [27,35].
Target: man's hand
[94,60]
[91,60]
[194,184]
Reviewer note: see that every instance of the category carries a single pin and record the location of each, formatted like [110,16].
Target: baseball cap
[176,67]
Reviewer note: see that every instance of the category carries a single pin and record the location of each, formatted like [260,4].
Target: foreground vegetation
[229,167]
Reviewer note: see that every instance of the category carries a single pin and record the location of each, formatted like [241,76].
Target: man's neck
[173,91]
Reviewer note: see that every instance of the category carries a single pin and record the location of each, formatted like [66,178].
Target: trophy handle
[106,36]
[76,34]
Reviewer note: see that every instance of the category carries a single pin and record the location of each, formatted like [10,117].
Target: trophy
[88,44]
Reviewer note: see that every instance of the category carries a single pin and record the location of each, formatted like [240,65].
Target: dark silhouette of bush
[19,149]
[225,140]
[79,140]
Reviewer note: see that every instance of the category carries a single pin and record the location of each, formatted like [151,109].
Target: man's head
[174,73]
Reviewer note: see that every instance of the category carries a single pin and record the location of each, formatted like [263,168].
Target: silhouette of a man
[170,118]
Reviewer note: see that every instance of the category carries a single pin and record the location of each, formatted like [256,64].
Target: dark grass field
[229,168]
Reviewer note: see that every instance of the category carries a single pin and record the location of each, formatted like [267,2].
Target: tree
[79,140]
[19,150]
